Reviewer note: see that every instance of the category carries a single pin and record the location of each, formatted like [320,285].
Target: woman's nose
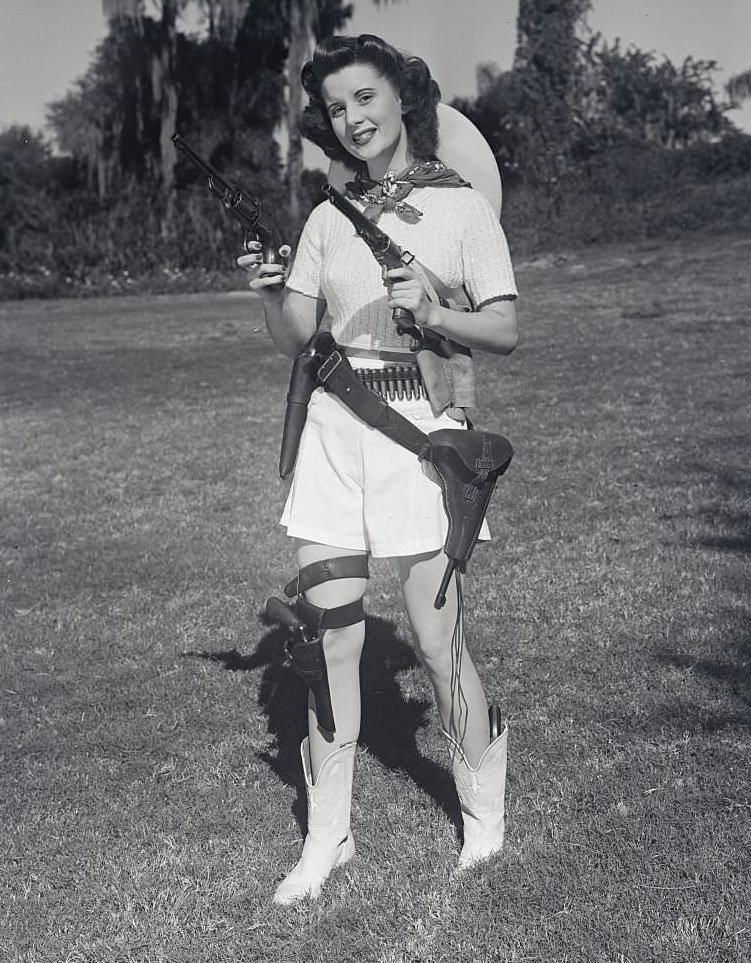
[354,116]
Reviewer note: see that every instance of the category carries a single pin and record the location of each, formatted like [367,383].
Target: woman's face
[365,114]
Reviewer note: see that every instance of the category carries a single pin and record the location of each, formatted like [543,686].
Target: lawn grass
[149,781]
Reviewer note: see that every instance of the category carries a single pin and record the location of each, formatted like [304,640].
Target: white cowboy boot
[481,795]
[329,842]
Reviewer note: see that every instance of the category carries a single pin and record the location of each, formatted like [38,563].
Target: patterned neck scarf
[388,194]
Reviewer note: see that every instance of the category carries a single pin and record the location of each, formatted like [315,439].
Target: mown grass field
[150,793]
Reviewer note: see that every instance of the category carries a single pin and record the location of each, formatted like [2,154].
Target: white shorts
[353,487]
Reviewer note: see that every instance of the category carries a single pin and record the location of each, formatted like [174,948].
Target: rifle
[385,251]
[242,206]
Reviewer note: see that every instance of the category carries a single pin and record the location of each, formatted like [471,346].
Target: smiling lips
[363,137]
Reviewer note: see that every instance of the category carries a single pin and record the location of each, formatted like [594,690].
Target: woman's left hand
[405,290]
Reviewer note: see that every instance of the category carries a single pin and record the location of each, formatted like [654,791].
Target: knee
[343,646]
[435,633]
[434,652]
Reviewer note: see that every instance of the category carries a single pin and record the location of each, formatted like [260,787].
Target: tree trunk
[165,94]
[301,16]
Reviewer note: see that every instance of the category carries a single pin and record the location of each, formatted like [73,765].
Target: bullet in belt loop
[399,383]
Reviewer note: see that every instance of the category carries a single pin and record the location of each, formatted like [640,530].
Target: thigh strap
[344,566]
[318,619]
[315,617]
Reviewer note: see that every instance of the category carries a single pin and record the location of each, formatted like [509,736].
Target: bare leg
[328,762]
[459,693]
[343,648]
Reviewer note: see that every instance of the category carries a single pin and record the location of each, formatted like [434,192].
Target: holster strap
[344,566]
[336,374]
[318,619]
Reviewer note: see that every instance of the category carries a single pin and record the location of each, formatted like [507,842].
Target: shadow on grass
[390,722]
[723,664]
[726,681]
[729,522]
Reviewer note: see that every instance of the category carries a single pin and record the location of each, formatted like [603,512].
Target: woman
[356,492]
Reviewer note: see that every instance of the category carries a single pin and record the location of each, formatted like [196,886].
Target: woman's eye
[335,111]
[364,98]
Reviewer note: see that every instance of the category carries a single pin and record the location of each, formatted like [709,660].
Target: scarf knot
[389,193]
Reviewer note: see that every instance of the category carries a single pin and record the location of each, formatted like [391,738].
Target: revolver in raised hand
[242,206]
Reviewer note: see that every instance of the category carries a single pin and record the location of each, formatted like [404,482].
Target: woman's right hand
[267,280]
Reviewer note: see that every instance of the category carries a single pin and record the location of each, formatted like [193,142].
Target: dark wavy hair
[409,76]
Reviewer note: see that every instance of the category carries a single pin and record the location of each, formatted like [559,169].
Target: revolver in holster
[305,655]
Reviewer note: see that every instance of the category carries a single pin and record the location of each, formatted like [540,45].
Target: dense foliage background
[594,142]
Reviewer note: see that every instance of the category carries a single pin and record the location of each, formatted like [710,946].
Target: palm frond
[739,86]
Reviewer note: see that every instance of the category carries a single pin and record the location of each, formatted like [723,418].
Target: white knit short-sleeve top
[458,238]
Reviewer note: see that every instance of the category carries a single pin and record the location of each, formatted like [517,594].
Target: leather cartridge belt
[394,382]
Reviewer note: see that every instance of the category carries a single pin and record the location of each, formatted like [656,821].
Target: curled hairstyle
[409,76]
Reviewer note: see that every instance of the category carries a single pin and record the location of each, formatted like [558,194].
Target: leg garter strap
[345,566]
[316,618]
[307,624]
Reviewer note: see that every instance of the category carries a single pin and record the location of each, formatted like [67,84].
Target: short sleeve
[305,273]
[486,262]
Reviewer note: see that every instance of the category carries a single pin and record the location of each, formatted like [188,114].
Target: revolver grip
[272,250]
[283,614]
[269,254]
[405,324]
[403,319]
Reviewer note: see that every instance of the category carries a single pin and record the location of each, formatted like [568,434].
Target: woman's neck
[399,159]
